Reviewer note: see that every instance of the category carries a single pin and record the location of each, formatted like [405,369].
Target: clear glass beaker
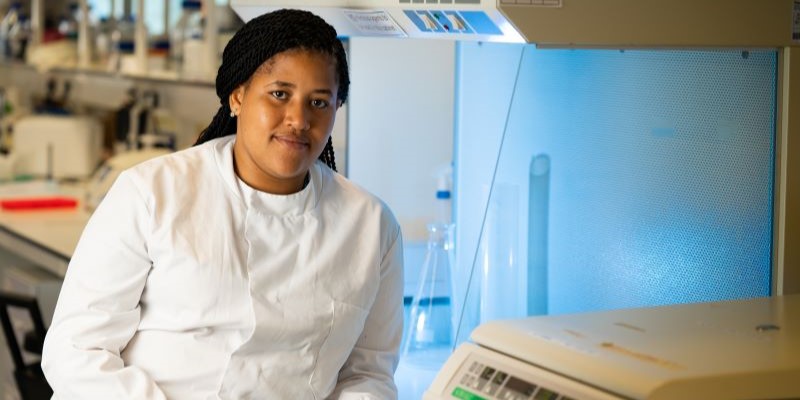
[428,339]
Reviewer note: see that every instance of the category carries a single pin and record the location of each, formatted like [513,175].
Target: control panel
[497,384]
[477,373]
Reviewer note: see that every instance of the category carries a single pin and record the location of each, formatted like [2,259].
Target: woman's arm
[98,308]
[369,371]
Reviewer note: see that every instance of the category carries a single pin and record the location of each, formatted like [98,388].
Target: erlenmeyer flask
[428,338]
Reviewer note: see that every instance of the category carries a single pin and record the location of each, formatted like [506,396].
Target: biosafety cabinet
[608,154]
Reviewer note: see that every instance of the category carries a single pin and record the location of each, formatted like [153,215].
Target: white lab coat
[187,284]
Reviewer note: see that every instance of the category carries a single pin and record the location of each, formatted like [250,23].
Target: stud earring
[233,113]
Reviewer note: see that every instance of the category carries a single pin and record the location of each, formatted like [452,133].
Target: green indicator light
[462,394]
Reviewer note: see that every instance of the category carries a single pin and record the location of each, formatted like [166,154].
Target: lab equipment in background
[11,18]
[501,294]
[3,138]
[140,121]
[538,216]
[124,56]
[14,32]
[68,25]
[144,130]
[122,44]
[79,30]
[194,49]
[428,339]
[444,198]
[141,46]
[59,147]
[104,177]
[102,40]
[74,28]
[143,139]
[749,350]
[54,102]
[444,217]
[428,328]
[605,218]
[158,55]
[190,10]
[18,38]
[39,203]
[228,23]
[87,30]
[6,162]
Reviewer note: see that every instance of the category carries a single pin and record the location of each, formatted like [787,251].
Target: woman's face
[285,116]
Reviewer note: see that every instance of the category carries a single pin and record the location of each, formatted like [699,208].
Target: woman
[243,267]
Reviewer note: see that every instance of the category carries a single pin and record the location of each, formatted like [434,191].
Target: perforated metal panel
[660,172]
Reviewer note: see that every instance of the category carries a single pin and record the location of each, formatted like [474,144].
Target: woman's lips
[292,141]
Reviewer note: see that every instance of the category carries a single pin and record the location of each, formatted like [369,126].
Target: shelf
[168,77]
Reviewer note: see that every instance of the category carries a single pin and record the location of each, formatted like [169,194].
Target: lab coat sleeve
[368,373]
[98,308]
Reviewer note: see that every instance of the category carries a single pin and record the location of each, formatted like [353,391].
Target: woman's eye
[279,94]
[319,103]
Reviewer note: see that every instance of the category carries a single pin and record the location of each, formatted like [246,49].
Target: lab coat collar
[282,205]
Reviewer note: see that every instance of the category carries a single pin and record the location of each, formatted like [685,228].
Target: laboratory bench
[45,237]
[35,248]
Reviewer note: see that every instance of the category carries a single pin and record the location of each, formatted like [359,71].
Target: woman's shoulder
[180,169]
[354,195]
[337,184]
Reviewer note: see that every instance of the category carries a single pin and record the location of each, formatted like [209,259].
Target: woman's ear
[235,99]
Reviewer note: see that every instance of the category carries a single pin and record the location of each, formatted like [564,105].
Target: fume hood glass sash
[641,177]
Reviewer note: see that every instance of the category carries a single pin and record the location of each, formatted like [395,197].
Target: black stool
[29,377]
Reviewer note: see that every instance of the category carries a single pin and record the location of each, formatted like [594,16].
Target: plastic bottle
[68,26]
[158,54]
[102,42]
[9,20]
[18,36]
[122,45]
[444,200]
[189,24]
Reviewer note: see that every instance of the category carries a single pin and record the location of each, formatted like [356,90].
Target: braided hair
[259,40]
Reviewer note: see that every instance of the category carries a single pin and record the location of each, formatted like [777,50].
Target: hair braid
[327,155]
[259,40]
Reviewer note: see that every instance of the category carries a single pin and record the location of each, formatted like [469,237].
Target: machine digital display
[545,394]
[499,378]
[520,386]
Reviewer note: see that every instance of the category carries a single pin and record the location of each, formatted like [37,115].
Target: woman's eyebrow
[284,84]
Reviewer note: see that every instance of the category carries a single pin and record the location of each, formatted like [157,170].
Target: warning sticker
[377,23]
[796,21]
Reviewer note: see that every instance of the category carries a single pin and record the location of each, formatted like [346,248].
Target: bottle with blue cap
[428,338]
[122,43]
[9,21]
[444,184]
[186,37]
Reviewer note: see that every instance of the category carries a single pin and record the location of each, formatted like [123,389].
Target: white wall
[400,123]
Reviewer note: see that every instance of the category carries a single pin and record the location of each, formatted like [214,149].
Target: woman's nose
[298,116]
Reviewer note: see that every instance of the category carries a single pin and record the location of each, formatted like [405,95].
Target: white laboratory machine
[744,349]
[57,146]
